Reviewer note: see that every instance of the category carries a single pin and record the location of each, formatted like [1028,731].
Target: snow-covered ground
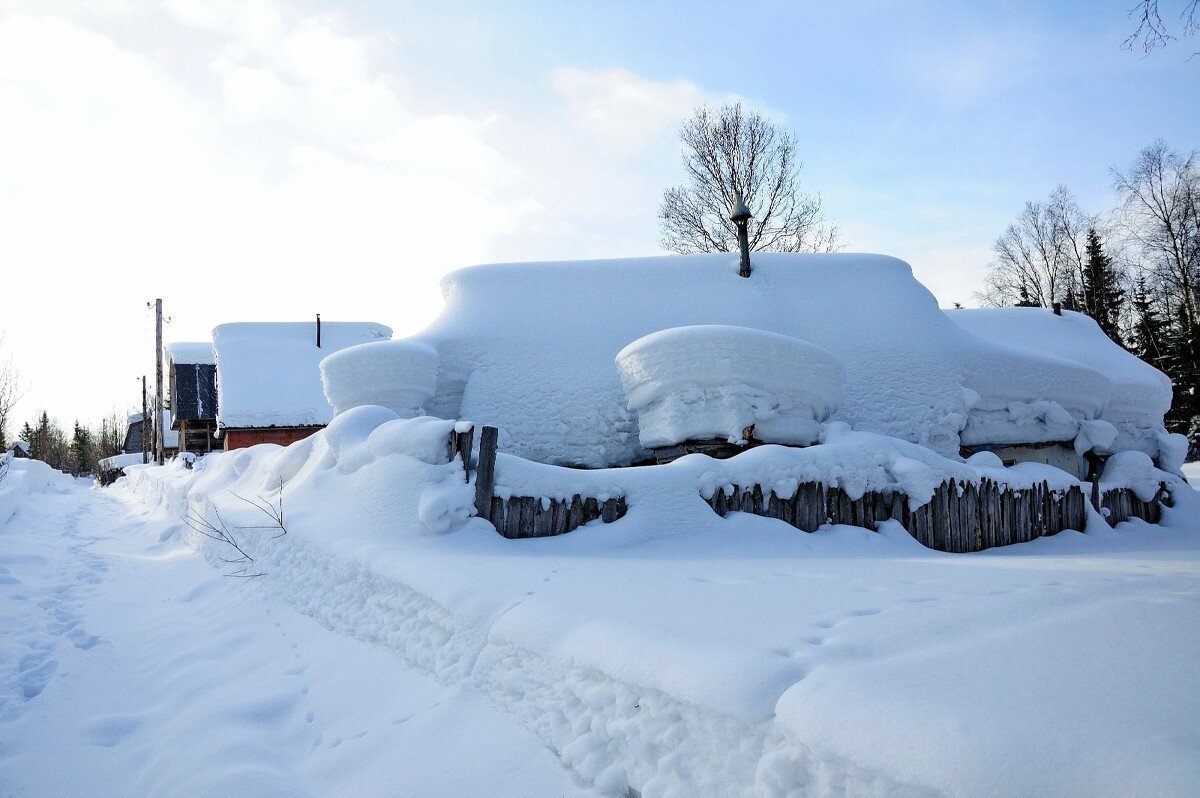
[714,656]
[129,666]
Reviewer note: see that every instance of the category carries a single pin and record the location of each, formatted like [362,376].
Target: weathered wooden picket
[1122,504]
[961,517]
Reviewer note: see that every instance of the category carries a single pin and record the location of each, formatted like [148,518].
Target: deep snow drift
[682,654]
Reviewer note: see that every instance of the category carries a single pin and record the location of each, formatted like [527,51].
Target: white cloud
[623,110]
[288,178]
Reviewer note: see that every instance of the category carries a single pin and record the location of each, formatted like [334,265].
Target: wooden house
[138,427]
[192,379]
[268,377]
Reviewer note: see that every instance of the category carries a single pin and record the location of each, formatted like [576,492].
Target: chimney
[1056,305]
[318,331]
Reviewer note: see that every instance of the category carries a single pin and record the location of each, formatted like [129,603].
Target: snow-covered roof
[133,440]
[530,347]
[21,446]
[1139,391]
[200,352]
[268,373]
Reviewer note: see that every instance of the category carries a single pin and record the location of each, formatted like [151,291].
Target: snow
[268,374]
[679,653]
[22,479]
[715,381]
[530,348]
[398,375]
[1138,395]
[129,667]
[199,352]
[122,460]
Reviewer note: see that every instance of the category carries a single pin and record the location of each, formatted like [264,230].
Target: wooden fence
[961,516]
[1122,504]
[526,516]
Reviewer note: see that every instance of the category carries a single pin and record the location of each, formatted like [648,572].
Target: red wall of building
[241,438]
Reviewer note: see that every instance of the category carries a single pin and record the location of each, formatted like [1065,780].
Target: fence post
[461,445]
[485,472]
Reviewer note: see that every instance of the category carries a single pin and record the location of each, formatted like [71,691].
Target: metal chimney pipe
[318,331]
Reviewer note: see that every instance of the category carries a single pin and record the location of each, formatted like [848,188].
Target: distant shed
[192,375]
[269,377]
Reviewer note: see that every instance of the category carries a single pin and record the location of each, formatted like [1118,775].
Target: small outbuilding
[192,375]
[268,377]
[18,450]
[138,427]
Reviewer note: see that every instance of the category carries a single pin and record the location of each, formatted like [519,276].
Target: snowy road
[128,666]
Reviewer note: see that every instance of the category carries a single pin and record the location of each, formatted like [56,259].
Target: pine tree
[1150,338]
[27,434]
[81,450]
[1102,292]
[1025,301]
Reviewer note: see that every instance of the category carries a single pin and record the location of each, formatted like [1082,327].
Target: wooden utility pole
[145,428]
[159,454]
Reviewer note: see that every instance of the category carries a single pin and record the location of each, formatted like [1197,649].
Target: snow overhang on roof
[268,373]
[198,352]
[530,346]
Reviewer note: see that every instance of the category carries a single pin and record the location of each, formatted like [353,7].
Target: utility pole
[145,428]
[158,370]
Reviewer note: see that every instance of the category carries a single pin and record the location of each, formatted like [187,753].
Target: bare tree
[1160,213]
[1040,257]
[730,150]
[1152,32]
[10,392]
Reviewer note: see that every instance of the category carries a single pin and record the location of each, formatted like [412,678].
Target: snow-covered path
[129,666]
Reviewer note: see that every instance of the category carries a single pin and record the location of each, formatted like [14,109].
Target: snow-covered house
[533,348]
[192,381]
[1125,397]
[269,377]
[18,449]
[137,428]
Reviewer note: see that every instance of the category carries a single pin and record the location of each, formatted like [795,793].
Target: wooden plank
[463,442]
[485,475]
[575,513]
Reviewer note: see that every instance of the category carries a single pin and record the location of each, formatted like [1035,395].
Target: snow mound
[398,375]
[21,478]
[715,381]
[1138,395]
[268,374]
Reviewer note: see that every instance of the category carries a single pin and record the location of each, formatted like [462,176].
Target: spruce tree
[1025,301]
[81,450]
[1102,292]
[1150,338]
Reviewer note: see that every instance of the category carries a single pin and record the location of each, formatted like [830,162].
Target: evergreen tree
[1025,301]
[27,433]
[1102,292]
[1150,336]
[81,450]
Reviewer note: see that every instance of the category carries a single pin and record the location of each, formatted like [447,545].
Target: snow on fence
[962,516]
[526,516]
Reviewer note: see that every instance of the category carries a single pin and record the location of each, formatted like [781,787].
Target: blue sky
[268,160]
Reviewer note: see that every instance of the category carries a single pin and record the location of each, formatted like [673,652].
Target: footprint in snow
[108,730]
